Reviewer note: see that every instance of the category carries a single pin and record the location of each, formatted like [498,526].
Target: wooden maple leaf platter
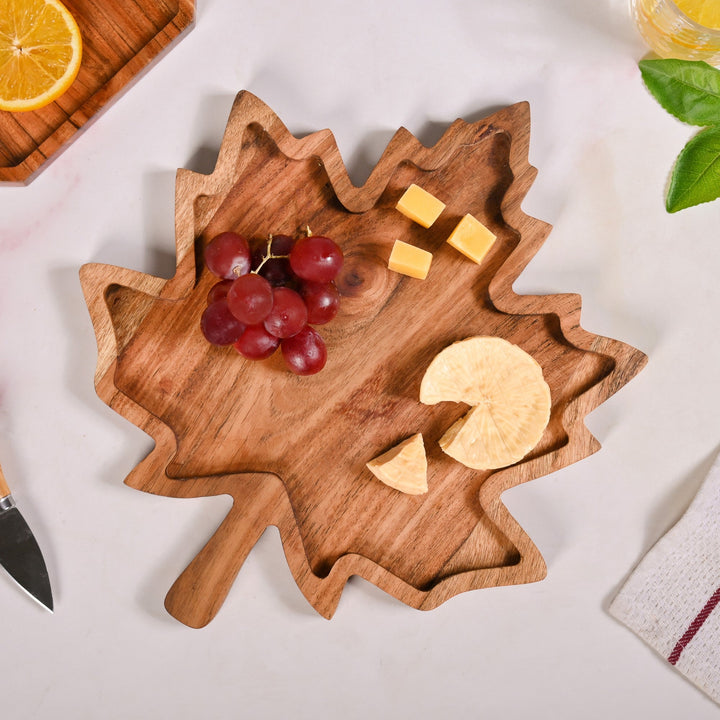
[291,451]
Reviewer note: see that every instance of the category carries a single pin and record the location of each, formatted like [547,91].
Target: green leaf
[696,177]
[687,89]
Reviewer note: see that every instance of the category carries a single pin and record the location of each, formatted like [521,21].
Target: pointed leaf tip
[687,89]
[696,176]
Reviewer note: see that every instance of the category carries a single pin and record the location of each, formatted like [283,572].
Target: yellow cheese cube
[410,260]
[472,238]
[420,206]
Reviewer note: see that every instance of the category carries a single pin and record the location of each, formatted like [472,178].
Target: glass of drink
[688,29]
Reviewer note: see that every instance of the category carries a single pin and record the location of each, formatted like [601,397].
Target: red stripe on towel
[694,626]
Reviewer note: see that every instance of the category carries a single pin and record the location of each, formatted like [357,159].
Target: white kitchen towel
[672,598]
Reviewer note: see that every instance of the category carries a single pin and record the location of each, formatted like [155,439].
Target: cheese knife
[19,552]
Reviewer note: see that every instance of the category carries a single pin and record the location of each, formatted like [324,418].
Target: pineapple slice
[510,401]
[403,467]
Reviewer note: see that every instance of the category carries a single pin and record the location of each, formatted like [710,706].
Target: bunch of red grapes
[272,296]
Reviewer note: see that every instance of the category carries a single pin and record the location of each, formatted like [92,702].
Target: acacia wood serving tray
[290,450]
[120,39]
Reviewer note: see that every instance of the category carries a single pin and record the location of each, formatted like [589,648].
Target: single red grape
[288,315]
[227,255]
[256,343]
[316,258]
[304,353]
[275,270]
[279,245]
[219,325]
[250,299]
[322,301]
[219,291]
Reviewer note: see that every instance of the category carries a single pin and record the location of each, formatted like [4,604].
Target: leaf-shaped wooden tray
[291,450]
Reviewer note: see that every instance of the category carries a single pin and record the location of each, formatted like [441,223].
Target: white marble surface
[549,650]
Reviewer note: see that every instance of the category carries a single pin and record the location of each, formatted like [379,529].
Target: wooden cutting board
[120,39]
[291,450]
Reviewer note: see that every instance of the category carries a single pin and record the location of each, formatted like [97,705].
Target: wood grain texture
[292,451]
[4,487]
[120,40]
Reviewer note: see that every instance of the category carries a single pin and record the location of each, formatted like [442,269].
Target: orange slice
[403,467]
[40,53]
[703,12]
[509,398]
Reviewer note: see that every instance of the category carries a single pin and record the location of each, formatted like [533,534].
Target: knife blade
[20,554]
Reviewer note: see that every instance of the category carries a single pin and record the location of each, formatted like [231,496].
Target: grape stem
[268,256]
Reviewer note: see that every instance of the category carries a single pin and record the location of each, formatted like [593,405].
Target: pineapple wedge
[403,467]
[509,398]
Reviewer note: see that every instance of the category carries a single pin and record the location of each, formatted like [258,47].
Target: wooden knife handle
[4,489]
